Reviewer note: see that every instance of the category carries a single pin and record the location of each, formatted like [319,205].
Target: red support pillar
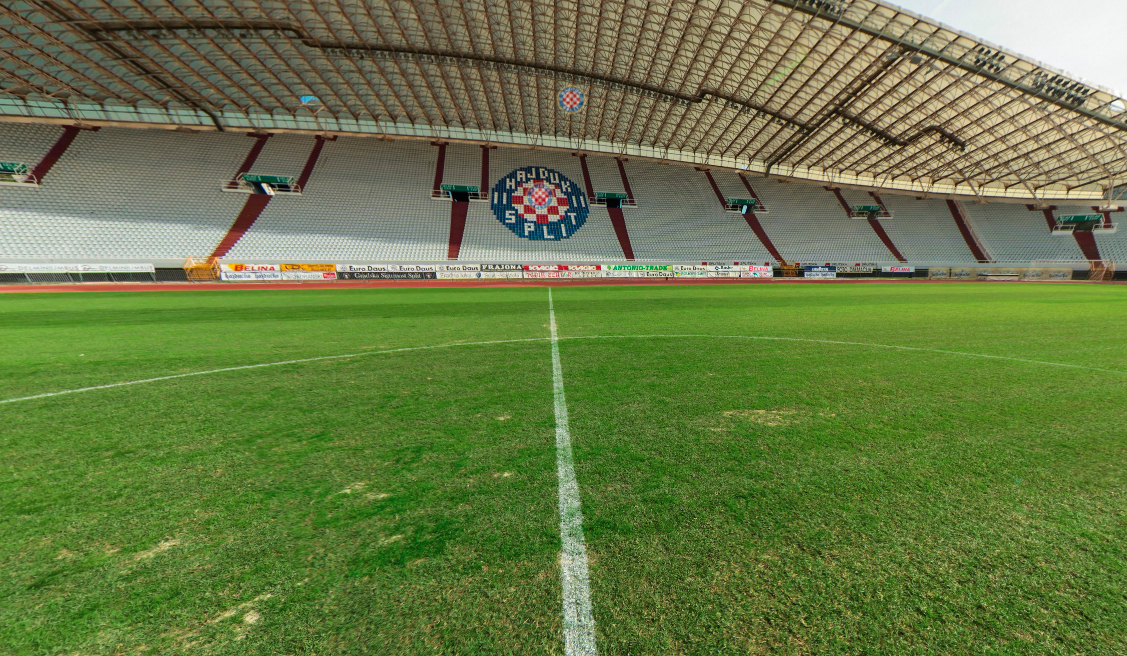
[60,146]
[873,223]
[1107,215]
[439,166]
[757,227]
[587,178]
[625,180]
[311,161]
[618,221]
[1085,240]
[458,213]
[255,151]
[965,230]
[485,148]
[715,188]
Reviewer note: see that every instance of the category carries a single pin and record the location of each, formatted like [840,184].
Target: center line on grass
[578,621]
[540,339]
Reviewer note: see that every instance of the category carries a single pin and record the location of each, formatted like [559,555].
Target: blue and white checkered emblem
[570,99]
[536,202]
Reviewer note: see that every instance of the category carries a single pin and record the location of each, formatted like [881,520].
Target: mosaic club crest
[571,100]
[537,202]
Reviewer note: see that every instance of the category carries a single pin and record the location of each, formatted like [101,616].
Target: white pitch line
[578,620]
[539,339]
[265,364]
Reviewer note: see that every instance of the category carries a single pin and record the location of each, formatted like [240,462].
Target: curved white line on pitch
[269,364]
[543,339]
[871,345]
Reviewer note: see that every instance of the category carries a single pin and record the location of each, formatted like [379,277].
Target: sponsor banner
[362,268]
[563,274]
[563,271]
[386,275]
[819,272]
[939,273]
[310,268]
[690,271]
[844,267]
[1048,274]
[758,272]
[502,274]
[458,271]
[637,267]
[250,275]
[56,267]
[309,275]
[250,271]
[727,270]
[638,270]
[898,269]
[502,268]
[242,268]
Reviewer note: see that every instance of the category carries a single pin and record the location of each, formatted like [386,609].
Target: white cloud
[1083,37]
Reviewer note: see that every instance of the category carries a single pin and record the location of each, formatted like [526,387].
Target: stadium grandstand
[370,454]
[793,132]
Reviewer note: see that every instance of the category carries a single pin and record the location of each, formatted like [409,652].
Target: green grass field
[740,496]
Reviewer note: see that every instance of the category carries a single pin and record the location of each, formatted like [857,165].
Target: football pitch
[757,469]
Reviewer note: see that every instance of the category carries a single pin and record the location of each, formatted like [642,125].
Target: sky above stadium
[1084,37]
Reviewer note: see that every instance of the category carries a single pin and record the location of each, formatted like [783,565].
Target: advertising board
[727,270]
[386,271]
[563,271]
[366,268]
[309,272]
[819,272]
[754,271]
[854,268]
[898,269]
[690,271]
[458,271]
[62,267]
[386,275]
[502,270]
[250,271]
[638,270]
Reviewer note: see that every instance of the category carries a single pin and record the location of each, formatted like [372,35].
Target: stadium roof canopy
[838,91]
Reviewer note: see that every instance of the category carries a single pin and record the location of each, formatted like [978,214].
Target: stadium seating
[1012,233]
[807,224]
[121,194]
[26,143]
[155,195]
[678,218]
[924,230]
[366,201]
